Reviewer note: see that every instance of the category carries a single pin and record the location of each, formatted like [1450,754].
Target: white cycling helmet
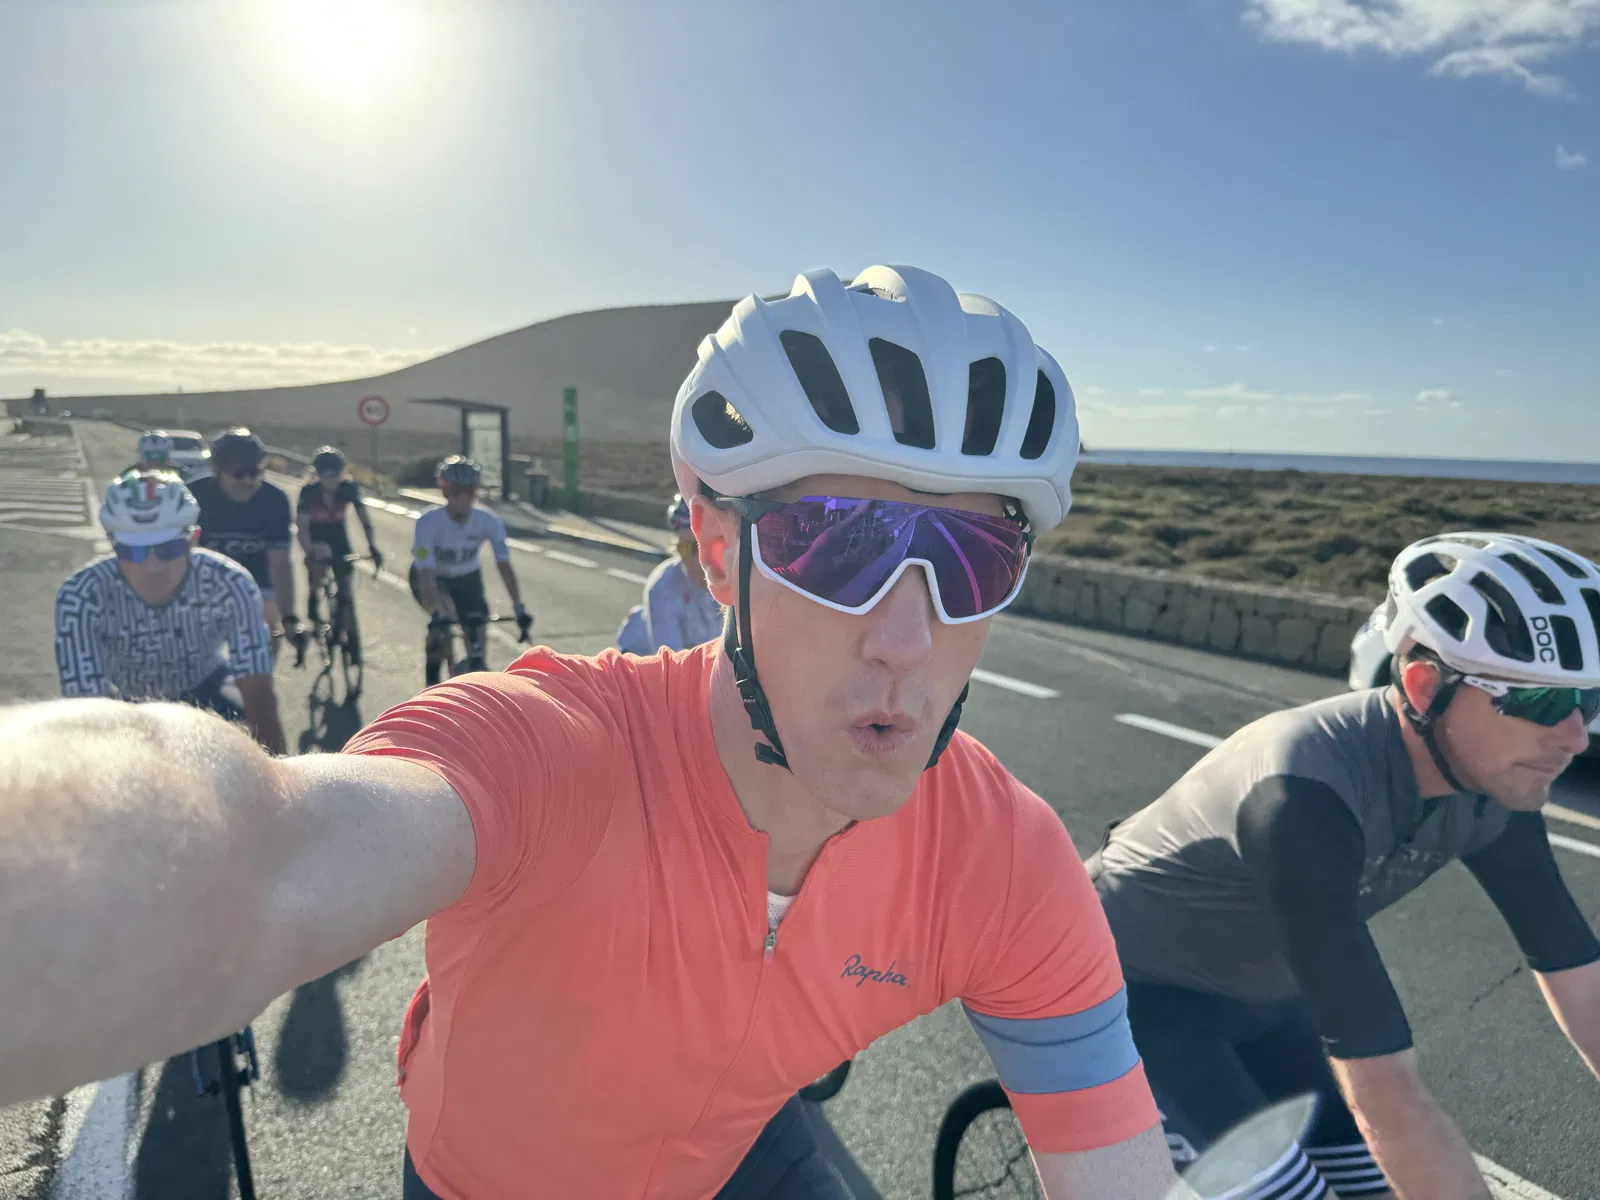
[1498,605]
[155,443]
[896,377]
[146,508]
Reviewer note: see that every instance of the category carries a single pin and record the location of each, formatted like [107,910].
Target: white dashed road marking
[98,1140]
[629,576]
[1166,729]
[572,560]
[1574,844]
[1021,686]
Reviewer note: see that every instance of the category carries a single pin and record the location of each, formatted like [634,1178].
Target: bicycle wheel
[350,651]
[826,1087]
[980,1150]
[232,1077]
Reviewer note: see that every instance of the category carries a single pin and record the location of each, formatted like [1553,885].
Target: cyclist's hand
[524,623]
[377,559]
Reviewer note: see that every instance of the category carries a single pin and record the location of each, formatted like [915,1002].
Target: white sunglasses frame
[928,571]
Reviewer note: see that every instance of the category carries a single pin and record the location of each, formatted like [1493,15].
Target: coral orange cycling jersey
[605,1011]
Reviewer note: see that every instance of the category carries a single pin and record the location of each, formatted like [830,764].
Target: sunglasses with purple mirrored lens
[847,553]
[165,551]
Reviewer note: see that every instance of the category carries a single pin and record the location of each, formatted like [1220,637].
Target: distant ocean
[1499,470]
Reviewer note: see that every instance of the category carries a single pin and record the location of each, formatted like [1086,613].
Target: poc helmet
[678,515]
[145,508]
[460,471]
[1497,605]
[155,446]
[895,376]
[328,460]
[237,449]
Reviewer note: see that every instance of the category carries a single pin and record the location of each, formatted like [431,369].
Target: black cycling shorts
[465,592]
[1213,1061]
[337,539]
[784,1163]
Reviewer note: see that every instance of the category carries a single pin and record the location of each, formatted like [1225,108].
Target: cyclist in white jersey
[161,619]
[445,575]
[678,611]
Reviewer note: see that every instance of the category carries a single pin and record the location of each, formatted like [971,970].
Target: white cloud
[1234,391]
[1570,160]
[1438,320]
[162,364]
[1504,38]
[1437,398]
[1152,391]
[1242,349]
[1504,372]
[1209,347]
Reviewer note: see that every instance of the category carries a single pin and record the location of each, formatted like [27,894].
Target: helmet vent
[1506,630]
[1425,568]
[986,403]
[1452,618]
[819,379]
[1591,599]
[719,422]
[905,393]
[1042,421]
[1569,647]
[1543,586]
[1566,564]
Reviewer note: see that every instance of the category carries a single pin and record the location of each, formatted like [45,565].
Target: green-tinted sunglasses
[1547,706]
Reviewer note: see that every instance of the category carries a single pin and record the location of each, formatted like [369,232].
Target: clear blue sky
[1260,224]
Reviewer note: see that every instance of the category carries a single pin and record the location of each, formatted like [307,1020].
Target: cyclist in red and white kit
[661,893]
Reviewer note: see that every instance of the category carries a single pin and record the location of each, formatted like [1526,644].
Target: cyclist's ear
[717,532]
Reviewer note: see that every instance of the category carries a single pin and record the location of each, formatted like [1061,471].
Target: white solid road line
[572,560]
[98,1139]
[1021,686]
[629,576]
[1195,738]
[1166,729]
[1504,1185]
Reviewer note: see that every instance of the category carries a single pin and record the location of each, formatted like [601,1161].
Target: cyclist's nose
[900,626]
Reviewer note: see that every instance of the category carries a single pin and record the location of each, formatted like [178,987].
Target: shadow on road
[313,1049]
[332,725]
[184,1153]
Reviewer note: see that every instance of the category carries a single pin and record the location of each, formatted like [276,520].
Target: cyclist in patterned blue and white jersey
[160,619]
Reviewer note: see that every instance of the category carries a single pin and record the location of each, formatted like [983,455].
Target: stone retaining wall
[1296,629]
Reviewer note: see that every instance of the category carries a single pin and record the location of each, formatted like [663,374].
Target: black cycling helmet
[678,515]
[327,460]
[236,448]
[461,471]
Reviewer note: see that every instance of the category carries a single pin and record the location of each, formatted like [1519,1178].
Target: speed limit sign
[374,410]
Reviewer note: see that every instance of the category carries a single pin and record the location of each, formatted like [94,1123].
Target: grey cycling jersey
[1183,905]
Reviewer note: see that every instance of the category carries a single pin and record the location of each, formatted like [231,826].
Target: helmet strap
[1425,722]
[739,643]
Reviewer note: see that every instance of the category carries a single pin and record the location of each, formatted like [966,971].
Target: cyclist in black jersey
[248,519]
[1239,899]
[320,520]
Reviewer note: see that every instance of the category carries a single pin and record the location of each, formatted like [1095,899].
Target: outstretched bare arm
[162,879]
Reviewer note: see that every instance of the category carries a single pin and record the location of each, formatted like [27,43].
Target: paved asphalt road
[325,1120]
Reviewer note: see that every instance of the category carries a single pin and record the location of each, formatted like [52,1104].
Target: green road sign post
[569,446]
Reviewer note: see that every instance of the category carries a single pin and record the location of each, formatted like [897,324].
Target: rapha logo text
[855,969]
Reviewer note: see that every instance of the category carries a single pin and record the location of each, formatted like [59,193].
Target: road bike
[470,634]
[236,1068]
[981,1151]
[338,641]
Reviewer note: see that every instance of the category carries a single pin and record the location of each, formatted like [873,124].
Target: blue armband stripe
[1060,1054]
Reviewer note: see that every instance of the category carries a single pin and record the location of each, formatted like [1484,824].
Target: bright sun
[351,52]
